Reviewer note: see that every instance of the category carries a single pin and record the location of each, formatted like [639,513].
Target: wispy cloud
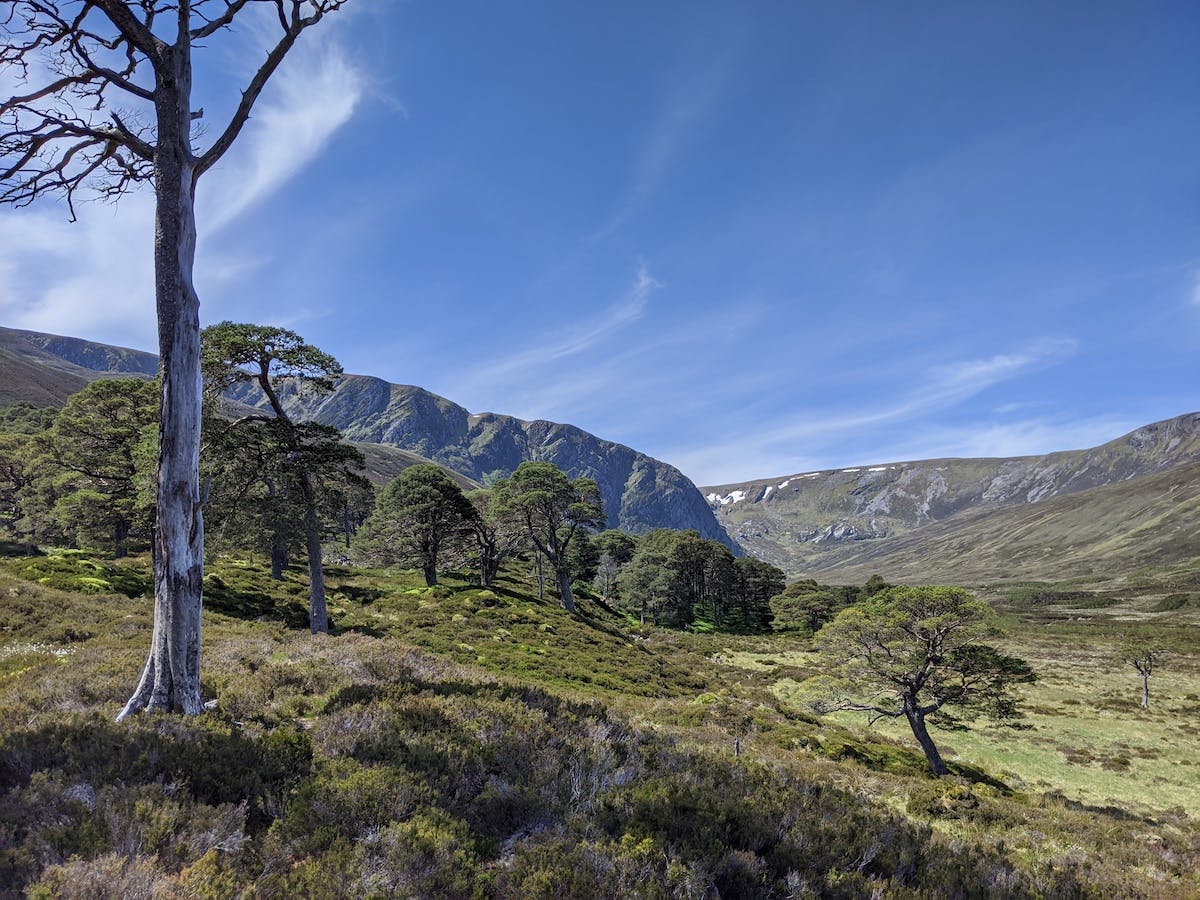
[313,95]
[687,105]
[814,438]
[1195,292]
[520,367]
[94,278]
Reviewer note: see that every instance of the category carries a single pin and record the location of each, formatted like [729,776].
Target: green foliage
[418,517]
[804,605]
[552,510]
[495,536]
[284,467]
[85,574]
[90,473]
[235,353]
[25,418]
[913,652]
[677,579]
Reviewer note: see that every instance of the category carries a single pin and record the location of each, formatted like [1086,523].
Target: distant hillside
[815,521]
[1099,533]
[407,424]
[45,369]
[383,463]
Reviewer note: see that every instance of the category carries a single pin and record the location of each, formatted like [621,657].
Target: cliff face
[639,492]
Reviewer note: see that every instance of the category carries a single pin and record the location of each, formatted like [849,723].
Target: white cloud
[1195,293]
[520,368]
[93,277]
[815,439]
[314,94]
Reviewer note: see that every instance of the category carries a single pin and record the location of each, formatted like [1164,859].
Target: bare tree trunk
[171,677]
[565,597]
[541,577]
[1145,691]
[318,616]
[916,721]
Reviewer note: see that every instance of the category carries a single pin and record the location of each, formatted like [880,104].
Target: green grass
[1083,734]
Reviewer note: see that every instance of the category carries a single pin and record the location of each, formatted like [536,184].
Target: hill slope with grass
[455,741]
[814,522]
[1117,529]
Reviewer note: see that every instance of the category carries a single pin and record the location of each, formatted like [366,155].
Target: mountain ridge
[639,492]
[794,520]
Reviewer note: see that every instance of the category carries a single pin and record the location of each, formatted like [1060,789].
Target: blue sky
[751,239]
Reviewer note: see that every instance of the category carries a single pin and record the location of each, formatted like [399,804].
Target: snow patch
[851,470]
[716,499]
[766,493]
[879,469]
[784,484]
[809,475]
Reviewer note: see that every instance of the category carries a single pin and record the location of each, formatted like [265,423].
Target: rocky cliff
[639,492]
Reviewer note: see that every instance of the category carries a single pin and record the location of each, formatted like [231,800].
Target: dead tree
[104,102]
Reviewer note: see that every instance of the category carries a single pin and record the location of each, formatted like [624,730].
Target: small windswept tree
[553,510]
[104,102]
[914,653]
[1145,656]
[417,517]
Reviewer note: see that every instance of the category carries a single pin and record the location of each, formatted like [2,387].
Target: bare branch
[222,21]
[293,24]
[135,32]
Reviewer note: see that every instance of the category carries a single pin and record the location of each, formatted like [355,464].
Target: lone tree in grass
[914,653]
[418,516]
[552,509]
[270,358]
[103,102]
[1145,656]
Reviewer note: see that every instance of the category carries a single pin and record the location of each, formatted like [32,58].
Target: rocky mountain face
[800,521]
[639,492]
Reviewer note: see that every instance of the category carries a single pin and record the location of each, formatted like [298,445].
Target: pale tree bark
[70,131]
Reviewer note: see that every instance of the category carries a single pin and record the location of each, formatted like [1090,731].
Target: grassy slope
[637,697]
[901,505]
[1116,529]
[25,381]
